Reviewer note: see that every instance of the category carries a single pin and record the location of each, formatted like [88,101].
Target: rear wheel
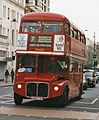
[18,99]
[80,92]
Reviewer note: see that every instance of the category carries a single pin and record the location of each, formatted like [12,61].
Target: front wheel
[62,101]
[18,99]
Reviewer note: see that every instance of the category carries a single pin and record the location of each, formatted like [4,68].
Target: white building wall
[8,22]
[0,12]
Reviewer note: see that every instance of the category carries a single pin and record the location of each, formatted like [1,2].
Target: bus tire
[17,99]
[63,99]
[80,92]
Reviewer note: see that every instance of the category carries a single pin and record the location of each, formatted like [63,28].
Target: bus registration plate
[36,98]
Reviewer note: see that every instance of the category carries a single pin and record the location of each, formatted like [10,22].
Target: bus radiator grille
[37,89]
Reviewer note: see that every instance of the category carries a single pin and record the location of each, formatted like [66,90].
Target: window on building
[0,29]
[42,5]
[13,15]
[13,35]
[36,2]
[4,11]
[16,37]
[17,1]
[17,17]
[8,13]
[29,1]
[47,2]
[8,34]
[21,2]
[4,31]
[45,5]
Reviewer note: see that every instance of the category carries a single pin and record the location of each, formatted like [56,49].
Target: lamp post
[94,43]
[94,56]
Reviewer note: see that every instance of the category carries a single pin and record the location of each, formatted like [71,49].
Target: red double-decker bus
[49,59]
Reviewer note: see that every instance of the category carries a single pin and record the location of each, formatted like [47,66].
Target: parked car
[85,83]
[97,73]
[91,78]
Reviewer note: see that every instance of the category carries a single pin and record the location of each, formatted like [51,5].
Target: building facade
[37,6]
[10,14]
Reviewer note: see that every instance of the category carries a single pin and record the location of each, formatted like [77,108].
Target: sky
[83,13]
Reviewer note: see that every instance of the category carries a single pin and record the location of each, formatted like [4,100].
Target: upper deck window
[52,27]
[83,39]
[31,27]
[67,28]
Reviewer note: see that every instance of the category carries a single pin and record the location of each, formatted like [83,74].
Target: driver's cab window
[26,63]
[57,65]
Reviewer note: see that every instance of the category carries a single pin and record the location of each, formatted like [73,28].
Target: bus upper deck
[49,32]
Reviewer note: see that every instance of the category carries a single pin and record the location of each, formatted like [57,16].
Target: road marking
[7,102]
[83,102]
[82,107]
[94,101]
[6,99]
[88,102]
[5,95]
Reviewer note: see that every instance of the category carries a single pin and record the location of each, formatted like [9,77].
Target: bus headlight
[56,88]
[19,86]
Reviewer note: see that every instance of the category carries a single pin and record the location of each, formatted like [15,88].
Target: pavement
[3,83]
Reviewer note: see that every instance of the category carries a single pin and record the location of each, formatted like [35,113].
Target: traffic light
[95,62]
[13,57]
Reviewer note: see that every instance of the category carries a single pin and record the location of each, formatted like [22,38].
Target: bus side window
[75,34]
[83,40]
[71,67]
[71,32]
[79,37]
[79,68]
[67,29]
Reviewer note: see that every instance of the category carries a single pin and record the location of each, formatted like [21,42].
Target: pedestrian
[6,75]
[12,75]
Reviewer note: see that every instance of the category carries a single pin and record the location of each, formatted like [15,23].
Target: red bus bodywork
[49,61]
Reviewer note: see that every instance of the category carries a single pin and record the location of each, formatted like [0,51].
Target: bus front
[41,63]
